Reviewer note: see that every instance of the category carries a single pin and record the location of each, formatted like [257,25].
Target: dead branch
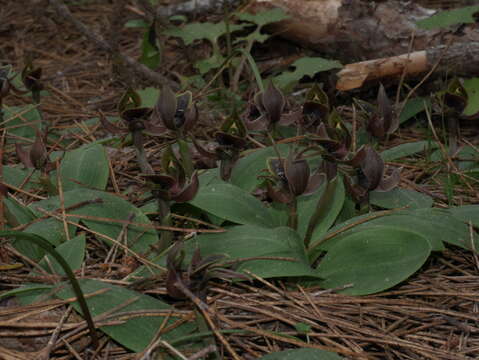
[462,58]
[101,43]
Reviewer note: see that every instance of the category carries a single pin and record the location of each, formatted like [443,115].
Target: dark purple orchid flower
[370,171]
[266,110]
[136,118]
[176,112]
[227,150]
[384,120]
[37,156]
[31,79]
[316,109]
[182,283]
[291,178]
[174,187]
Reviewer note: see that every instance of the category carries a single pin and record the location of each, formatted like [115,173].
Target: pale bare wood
[461,59]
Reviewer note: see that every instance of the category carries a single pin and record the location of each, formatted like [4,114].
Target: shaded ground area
[431,316]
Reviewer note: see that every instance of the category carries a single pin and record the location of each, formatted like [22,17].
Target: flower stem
[186,159]
[141,158]
[166,236]
[293,214]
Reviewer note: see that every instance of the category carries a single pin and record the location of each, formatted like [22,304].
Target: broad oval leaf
[136,332]
[373,260]
[302,354]
[73,251]
[466,213]
[246,171]
[407,149]
[398,197]
[413,107]
[21,214]
[86,166]
[232,203]
[105,214]
[436,225]
[242,242]
[16,176]
[21,121]
[25,290]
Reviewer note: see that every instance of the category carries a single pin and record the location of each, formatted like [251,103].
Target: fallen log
[461,59]
[379,34]
[359,29]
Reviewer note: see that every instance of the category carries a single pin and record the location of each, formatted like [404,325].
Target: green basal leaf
[407,149]
[302,354]
[435,225]
[21,213]
[104,214]
[73,251]
[302,328]
[21,121]
[246,170]
[466,158]
[398,197]
[136,332]
[413,107]
[86,166]
[466,214]
[306,66]
[50,229]
[232,203]
[25,290]
[472,89]
[247,241]
[41,242]
[372,260]
[16,176]
[450,17]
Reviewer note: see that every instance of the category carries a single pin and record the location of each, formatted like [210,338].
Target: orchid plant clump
[304,191]
[287,187]
[287,179]
[315,188]
[280,190]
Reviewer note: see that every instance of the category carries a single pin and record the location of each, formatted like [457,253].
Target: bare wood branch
[101,43]
[461,58]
